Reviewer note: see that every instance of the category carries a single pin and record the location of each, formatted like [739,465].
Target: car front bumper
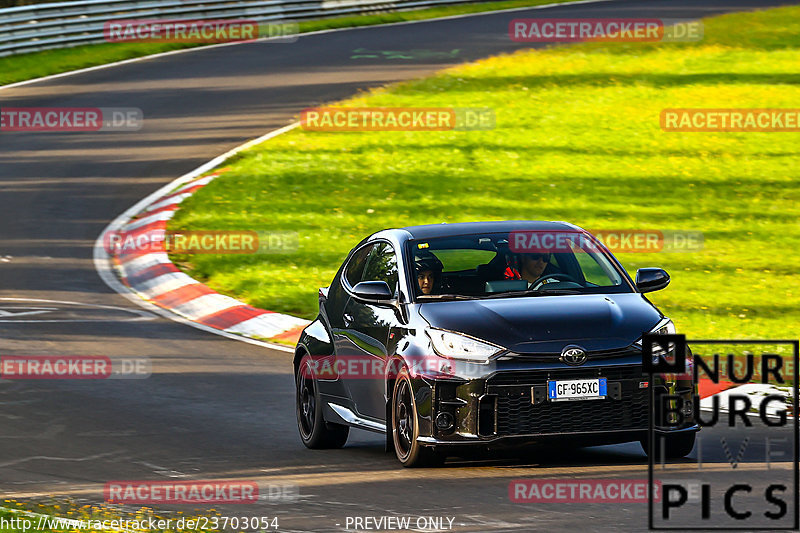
[511,406]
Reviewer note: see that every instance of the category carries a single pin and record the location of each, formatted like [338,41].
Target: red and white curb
[153,282]
[149,278]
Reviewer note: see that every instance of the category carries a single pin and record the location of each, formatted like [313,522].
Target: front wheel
[405,429]
[314,431]
[671,446]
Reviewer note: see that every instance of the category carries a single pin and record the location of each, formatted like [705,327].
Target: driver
[429,271]
[531,267]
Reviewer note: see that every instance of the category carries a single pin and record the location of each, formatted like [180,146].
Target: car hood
[545,324]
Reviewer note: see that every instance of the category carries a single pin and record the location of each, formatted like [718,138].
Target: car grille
[540,377]
[516,415]
[593,356]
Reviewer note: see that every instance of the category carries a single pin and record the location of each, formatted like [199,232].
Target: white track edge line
[105,270]
[101,258]
[300,35]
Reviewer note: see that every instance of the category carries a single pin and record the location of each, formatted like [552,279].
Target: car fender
[314,340]
[409,350]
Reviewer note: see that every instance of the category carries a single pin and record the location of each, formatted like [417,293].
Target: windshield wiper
[526,292]
[532,292]
[445,297]
[559,291]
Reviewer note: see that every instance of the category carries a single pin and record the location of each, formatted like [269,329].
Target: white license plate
[577,389]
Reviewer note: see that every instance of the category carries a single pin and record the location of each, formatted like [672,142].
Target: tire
[314,431]
[405,429]
[671,446]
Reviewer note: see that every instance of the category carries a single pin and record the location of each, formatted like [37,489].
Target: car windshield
[501,265]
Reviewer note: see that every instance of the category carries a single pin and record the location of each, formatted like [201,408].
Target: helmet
[427,261]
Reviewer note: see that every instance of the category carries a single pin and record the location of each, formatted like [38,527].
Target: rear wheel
[405,429]
[314,431]
[671,446]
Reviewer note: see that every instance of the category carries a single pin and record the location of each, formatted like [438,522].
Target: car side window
[355,267]
[382,265]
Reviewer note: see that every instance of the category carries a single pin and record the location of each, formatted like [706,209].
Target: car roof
[430,231]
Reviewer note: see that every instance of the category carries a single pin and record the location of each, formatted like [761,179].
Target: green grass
[37,64]
[577,139]
[91,515]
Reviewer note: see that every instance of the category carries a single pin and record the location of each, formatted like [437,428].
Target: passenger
[429,272]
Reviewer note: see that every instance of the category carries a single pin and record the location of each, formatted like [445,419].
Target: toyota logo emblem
[573,355]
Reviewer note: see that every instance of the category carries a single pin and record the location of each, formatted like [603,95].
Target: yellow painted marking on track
[321,479]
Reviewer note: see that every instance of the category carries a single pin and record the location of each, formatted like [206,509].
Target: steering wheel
[557,277]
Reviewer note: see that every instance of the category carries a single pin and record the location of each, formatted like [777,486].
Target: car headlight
[664,327]
[457,346]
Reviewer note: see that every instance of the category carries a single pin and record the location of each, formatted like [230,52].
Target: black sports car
[486,333]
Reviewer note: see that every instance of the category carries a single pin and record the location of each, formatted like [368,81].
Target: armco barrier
[58,25]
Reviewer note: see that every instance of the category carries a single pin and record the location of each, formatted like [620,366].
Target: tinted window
[548,262]
[356,265]
[592,271]
[381,265]
[456,259]
[596,269]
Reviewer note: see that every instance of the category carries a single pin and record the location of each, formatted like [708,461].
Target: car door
[351,275]
[366,332]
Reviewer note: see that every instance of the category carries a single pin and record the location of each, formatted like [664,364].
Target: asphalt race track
[214,407]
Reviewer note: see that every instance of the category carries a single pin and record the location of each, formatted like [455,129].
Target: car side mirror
[373,290]
[651,279]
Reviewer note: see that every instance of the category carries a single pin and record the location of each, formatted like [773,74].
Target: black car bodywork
[453,402]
